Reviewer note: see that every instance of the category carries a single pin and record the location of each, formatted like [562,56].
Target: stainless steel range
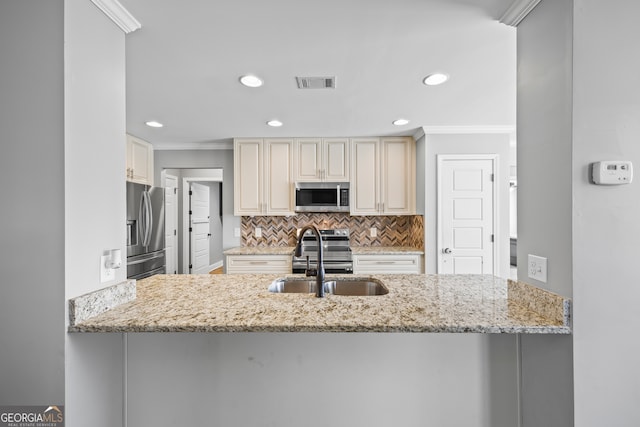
[337,253]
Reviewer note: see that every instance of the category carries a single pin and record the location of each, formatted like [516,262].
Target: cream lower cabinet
[139,161]
[322,159]
[388,264]
[263,177]
[383,176]
[276,264]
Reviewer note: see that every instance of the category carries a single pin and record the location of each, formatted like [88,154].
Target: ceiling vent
[316,82]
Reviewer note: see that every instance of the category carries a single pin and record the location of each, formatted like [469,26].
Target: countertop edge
[547,330]
[91,304]
[542,302]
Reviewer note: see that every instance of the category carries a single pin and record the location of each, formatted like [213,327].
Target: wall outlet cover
[236,232]
[258,232]
[106,274]
[537,268]
[373,232]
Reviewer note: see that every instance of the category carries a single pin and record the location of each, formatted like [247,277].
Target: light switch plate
[106,274]
[257,232]
[236,232]
[537,268]
[373,232]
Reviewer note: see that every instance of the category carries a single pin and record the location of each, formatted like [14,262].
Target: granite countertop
[415,303]
[356,250]
[261,250]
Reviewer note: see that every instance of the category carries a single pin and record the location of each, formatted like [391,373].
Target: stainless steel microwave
[322,197]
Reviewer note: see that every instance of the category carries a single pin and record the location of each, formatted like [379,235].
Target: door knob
[446,251]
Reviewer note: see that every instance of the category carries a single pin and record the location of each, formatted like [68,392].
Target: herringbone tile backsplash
[281,231]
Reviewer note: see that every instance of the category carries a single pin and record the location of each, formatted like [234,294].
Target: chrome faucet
[318,272]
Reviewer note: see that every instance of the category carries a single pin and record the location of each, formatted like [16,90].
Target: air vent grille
[316,82]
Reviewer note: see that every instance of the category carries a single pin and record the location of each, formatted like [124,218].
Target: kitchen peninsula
[242,303]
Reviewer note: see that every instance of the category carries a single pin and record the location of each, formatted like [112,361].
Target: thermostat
[612,172]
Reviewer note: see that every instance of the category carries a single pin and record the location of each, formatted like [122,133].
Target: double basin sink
[334,286]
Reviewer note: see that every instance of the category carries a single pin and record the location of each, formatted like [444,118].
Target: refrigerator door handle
[148,257]
[141,220]
[150,222]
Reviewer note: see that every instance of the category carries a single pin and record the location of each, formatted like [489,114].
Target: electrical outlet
[236,232]
[257,232]
[106,274]
[373,232]
[537,268]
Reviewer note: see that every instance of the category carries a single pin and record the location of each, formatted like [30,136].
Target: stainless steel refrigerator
[145,231]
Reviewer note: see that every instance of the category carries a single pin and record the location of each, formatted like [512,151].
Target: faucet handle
[311,272]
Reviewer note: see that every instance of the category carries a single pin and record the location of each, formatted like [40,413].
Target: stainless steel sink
[353,287]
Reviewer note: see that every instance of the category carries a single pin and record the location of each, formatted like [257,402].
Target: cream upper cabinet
[318,159]
[263,171]
[139,161]
[383,176]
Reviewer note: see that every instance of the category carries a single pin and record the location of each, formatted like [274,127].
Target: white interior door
[199,228]
[171,223]
[466,214]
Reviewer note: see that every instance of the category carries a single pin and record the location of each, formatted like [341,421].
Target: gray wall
[467,144]
[95,202]
[606,220]
[32,213]
[190,159]
[545,199]
[322,379]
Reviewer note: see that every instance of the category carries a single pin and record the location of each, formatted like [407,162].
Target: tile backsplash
[281,231]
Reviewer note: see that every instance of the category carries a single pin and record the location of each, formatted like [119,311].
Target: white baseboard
[216,265]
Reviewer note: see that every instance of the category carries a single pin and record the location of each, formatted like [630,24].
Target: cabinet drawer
[395,264]
[237,264]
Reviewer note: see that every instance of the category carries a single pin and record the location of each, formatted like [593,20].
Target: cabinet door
[308,160]
[139,161]
[398,176]
[335,160]
[278,189]
[364,177]
[248,177]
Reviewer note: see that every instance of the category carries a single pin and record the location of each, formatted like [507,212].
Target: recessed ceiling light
[251,81]
[274,123]
[153,124]
[435,79]
[400,122]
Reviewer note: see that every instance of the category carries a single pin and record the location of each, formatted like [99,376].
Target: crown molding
[517,11]
[118,14]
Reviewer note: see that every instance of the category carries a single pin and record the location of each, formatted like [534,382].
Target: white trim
[518,10]
[215,265]
[495,158]
[118,14]
[436,130]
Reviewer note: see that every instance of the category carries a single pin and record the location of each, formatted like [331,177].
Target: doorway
[467,214]
[212,179]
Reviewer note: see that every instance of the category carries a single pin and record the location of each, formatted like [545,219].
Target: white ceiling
[184,63]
